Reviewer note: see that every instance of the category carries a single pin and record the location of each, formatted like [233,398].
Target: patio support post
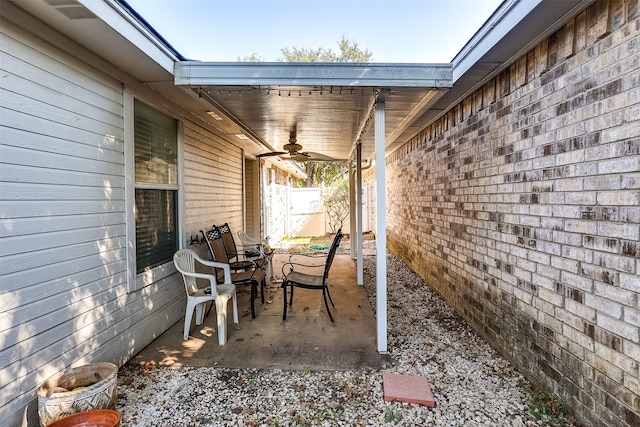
[352,210]
[359,264]
[381,227]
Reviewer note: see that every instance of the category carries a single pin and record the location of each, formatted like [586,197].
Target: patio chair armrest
[247,240]
[225,267]
[292,264]
[246,246]
[245,264]
[210,277]
[310,257]
[250,250]
[243,254]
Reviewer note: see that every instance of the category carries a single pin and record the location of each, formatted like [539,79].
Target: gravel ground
[471,383]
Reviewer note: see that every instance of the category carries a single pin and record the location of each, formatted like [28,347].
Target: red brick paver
[407,388]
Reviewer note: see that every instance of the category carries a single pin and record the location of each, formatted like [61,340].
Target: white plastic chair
[185,262]
[263,248]
[248,241]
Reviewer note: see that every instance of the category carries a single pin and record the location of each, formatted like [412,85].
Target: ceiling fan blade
[299,157]
[273,153]
[318,157]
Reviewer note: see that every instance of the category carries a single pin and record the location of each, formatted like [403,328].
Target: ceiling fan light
[214,115]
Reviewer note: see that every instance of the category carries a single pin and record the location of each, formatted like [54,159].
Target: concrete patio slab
[307,340]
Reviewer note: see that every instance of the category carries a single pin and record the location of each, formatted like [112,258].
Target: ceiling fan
[292,151]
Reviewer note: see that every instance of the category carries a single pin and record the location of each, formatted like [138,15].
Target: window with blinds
[155,146]
[156,182]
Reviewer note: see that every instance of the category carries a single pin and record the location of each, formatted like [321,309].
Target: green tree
[349,52]
[319,173]
[254,57]
[336,202]
[324,173]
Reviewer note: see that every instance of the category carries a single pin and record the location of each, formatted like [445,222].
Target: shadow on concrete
[307,340]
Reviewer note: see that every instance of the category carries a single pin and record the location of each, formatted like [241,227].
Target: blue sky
[427,31]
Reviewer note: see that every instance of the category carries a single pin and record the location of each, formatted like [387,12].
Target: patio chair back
[185,262]
[297,279]
[216,246]
[332,253]
[229,241]
[258,251]
[246,240]
[243,251]
[241,272]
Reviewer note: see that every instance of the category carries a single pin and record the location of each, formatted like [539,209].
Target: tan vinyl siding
[212,180]
[252,201]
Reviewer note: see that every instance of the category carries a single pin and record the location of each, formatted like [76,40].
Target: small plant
[547,404]
[390,415]
[338,412]
[336,202]
[306,369]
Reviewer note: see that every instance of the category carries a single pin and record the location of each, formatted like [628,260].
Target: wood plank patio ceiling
[328,105]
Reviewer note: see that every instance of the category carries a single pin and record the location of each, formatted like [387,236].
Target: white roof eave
[195,73]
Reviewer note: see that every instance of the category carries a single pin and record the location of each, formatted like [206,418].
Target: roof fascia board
[195,73]
[503,20]
[483,57]
[509,15]
[123,21]
[163,43]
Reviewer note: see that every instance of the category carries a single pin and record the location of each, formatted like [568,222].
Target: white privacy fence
[306,213]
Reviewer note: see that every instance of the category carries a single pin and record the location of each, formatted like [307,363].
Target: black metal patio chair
[243,272]
[242,252]
[297,279]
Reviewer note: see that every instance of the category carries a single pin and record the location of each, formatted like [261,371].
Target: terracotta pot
[93,418]
[84,388]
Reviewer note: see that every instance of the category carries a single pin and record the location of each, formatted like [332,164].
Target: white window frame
[137,281]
